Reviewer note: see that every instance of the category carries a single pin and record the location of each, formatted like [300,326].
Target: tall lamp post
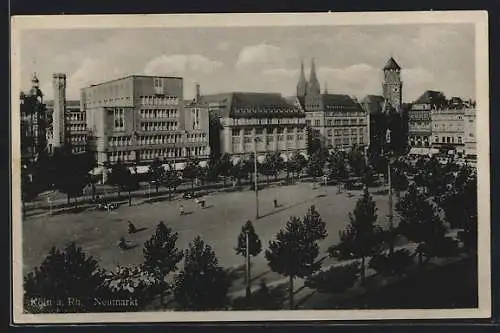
[255,179]
[247,266]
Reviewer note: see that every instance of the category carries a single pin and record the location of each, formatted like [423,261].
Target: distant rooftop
[391,64]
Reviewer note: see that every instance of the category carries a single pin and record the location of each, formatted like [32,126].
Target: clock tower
[392,85]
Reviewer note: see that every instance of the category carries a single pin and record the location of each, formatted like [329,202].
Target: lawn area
[98,232]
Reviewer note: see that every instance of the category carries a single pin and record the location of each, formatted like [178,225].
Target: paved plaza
[219,224]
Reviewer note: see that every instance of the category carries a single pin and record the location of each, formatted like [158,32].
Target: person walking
[181,209]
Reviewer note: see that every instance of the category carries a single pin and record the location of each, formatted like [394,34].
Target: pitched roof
[430,97]
[253,104]
[391,64]
[373,103]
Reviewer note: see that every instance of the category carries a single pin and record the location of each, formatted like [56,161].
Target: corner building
[139,118]
[256,122]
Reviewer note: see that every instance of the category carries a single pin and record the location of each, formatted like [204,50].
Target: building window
[248,132]
[289,137]
[119,119]
[459,139]
[329,122]
[447,139]
[235,132]
[436,139]
[329,132]
[317,122]
[308,122]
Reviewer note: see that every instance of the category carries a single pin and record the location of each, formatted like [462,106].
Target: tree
[293,253]
[191,170]
[362,237]
[254,246]
[161,255]
[171,180]
[156,173]
[356,161]
[334,280]
[71,175]
[315,226]
[315,166]
[203,284]
[63,275]
[118,176]
[224,166]
[296,163]
[421,224]
[337,166]
[460,206]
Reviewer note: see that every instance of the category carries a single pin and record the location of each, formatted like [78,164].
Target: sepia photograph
[248,167]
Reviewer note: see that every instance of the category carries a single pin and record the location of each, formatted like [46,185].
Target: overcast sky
[349,59]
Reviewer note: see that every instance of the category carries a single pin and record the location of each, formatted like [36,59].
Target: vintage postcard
[250,167]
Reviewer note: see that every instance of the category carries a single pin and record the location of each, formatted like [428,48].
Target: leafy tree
[203,284]
[267,167]
[63,275]
[296,163]
[356,161]
[156,173]
[71,176]
[315,226]
[171,180]
[161,255]
[293,253]
[238,171]
[118,176]
[315,166]
[460,207]
[362,237]
[128,282]
[336,279]
[191,170]
[224,166]
[421,223]
[337,166]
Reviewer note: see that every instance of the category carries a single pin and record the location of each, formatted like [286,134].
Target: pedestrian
[275,203]
[181,209]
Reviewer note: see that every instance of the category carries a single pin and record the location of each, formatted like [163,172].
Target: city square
[261,174]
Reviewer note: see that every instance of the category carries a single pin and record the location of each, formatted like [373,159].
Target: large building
[453,128]
[419,118]
[136,119]
[33,124]
[337,120]
[246,122]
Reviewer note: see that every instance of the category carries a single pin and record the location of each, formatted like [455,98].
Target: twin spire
[303,86]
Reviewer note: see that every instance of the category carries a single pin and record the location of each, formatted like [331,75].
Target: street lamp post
[256,180]
[391,224]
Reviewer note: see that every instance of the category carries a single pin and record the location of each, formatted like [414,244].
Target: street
[219,224]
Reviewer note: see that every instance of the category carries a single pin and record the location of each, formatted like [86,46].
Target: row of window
[78,138]
[337,122]
[348,141]
[196,137]
[75,116]
[266,121]
[158,113]
[159,126]
[159,100]
[345,131]
[449,126]
[77,127]
[237,148]
[260,131]
[269,138]
[149,154]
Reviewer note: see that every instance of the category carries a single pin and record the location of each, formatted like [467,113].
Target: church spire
[314,87]
[302,84]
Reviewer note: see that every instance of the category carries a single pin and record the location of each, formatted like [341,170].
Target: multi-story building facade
[75,126]
[337,120]
[33,124]
[255,122]
[139,118]
[452,126]
[419,118]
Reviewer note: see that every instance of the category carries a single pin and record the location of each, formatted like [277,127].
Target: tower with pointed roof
[313,96]
[302,84]
[392,85]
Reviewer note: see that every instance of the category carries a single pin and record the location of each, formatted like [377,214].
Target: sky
[349,59]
